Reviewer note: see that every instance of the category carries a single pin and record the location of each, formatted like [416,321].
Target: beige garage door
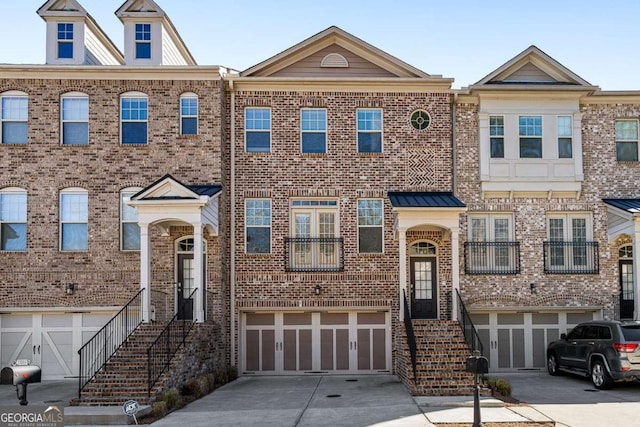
[322,342]
[518,341]
[49,340]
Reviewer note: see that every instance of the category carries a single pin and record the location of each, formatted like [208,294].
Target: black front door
[185,286]
[423,288]
[626,289]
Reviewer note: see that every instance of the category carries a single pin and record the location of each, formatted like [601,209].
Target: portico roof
[424,199]
[629,205]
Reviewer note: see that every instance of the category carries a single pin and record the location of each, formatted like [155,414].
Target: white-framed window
[570,246]
[134,118]
[369,130]
[74,219]
[496,136]
[313,129]
[75,118]
[257,129]
[13,219]
[129,228]
[65,40]
[565,137]
[143,41]
[491,248]
[530,130]
[314,243]
[370,226]
[188,114]
[14,116]
[627,140]
[257,226]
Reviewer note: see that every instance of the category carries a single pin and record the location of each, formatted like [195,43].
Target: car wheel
[552,364]
[599,376]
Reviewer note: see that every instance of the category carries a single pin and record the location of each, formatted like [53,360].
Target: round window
[420,120]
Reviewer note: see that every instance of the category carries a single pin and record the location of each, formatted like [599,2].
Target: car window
[604,333]
[576,333]
[590,332]
[631,332]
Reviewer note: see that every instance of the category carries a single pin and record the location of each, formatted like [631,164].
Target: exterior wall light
[70,288]
[317,289]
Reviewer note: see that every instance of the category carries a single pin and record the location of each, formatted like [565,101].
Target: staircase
[125,376]
[441,358]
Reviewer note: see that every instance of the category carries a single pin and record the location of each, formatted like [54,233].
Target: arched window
[134,108]
[423,248]
[74,219]
[14,114]
[13,219]
[74,116]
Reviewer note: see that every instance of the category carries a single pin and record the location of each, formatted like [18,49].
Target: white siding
[170,53]
[96,53]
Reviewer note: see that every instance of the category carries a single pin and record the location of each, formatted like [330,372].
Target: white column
[198,300]
[402,258]
[145,271]
[455,271]
[636,268]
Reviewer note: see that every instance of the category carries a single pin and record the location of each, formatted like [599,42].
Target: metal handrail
[411,337]
[570,257]
[469,330]
[167,344]
[492,257]
[96,352]
[314,253]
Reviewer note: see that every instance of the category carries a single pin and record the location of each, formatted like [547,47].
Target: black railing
[411,337]
[576,257]
[314,254]
[162,350]
[470,333]
[99,349]
[492,257]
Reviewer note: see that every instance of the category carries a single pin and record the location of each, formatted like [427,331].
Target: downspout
[232,243]
[454,184]
[454,156]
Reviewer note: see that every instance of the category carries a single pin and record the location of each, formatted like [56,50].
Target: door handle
[38,349]
[355,345]
[34,349]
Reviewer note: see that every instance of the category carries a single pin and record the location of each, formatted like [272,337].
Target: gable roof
[334,36]
[628,205]
[169,188]
[532,68]
[150,9]
[71,8]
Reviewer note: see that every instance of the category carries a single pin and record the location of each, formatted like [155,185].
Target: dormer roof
[149,9]
[532,69]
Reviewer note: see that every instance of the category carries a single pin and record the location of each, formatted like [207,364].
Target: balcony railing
[492,257]
[314,253]
[576,257]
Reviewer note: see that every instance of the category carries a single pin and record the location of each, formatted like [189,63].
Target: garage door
[49,340]
[321,342]
[516,341]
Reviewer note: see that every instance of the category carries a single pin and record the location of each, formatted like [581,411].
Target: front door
[626,289]
[185,286]
[423,288]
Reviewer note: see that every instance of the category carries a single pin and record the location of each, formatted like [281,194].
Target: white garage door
[49,340]
[516,341]
[328,342]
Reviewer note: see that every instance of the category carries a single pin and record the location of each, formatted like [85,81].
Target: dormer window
[143,41]
[65,40]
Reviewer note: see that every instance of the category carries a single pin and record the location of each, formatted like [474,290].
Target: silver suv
[607,351]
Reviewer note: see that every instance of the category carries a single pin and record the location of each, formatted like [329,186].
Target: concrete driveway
[573,401]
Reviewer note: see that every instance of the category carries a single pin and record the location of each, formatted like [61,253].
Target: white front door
[306,342]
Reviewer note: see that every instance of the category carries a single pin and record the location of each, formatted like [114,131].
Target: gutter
[232,243]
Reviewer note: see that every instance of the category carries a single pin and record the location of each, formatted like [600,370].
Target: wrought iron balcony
[314,254]
[492,257]
[571,257]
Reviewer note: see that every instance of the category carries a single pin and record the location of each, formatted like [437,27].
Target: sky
[461,39]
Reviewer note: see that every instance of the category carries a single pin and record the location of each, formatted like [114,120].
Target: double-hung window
[565,137]
[129,228]
[313,126]
[143,41]
[13,219]
[74,219]
[570,248]
[257,127]
[369,130]
[189,114]
[257,230]
[627,140]
[314,244]
[496,136]
[15,106]
[370,219]
[75,119]
[133,118]
[65,40]
[491,248]
[530,129]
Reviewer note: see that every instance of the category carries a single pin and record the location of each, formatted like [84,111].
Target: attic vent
[334,60]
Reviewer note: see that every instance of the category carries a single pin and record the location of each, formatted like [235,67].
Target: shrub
[159,409]
[211,381]
[233,373]
[499,385]
[194,387]
[171,397]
